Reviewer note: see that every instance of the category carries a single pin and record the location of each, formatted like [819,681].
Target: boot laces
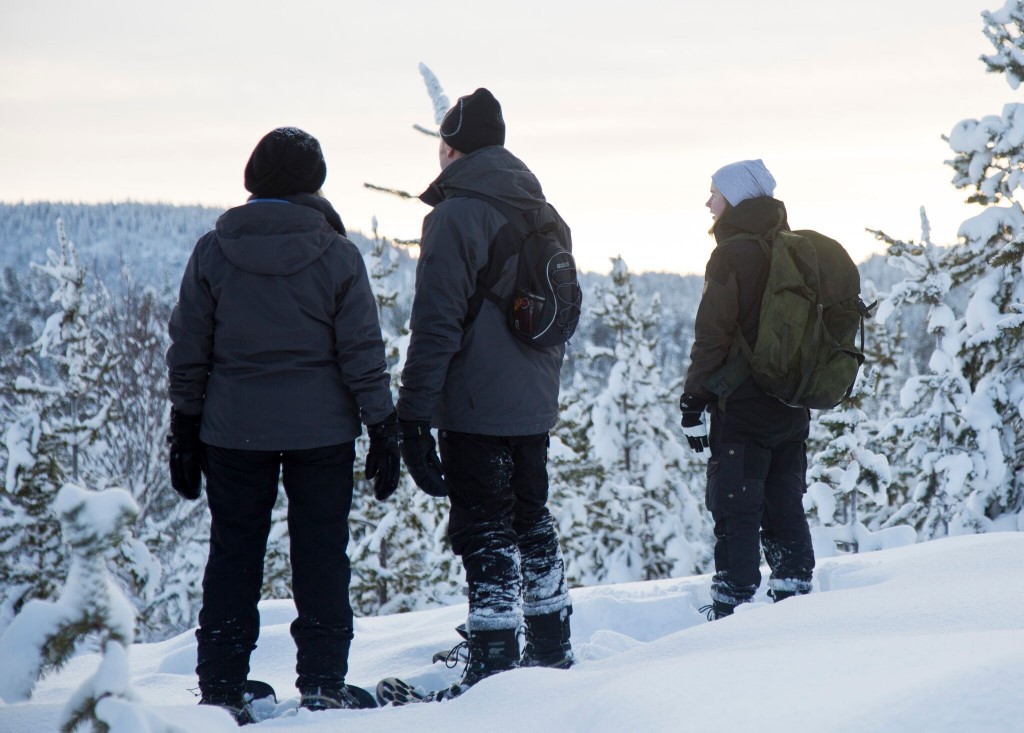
[459,653]
[708,610]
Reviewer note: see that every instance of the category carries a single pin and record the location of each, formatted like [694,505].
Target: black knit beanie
[286,161]
[474,122]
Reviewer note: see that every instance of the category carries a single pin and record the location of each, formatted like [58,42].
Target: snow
[926,638]
[979,229]
[1005,14]
[20,439]
[95,513]
[436,93]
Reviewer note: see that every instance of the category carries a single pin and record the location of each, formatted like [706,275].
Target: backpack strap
[736,369]
[865,312]
[505,244]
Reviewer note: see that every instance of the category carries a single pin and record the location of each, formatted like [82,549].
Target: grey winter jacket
[275,337]
[480,379]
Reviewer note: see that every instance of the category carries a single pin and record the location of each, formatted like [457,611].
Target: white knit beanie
[744,180]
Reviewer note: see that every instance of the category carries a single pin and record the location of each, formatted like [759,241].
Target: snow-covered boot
[780,595]
[490,652]
[547,640]
[233,702]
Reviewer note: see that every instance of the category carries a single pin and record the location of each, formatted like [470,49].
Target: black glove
[694,426]
[420,455]
[382,460]
[186,455]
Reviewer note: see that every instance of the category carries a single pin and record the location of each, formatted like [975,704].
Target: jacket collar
[312,201]
[492,171]
[756,217]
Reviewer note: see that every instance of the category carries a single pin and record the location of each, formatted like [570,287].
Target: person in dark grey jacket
[276,359]
[492,398]
[758,465]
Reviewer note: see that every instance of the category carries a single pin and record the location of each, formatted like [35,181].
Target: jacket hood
[757,217]
[278,236]
[492,171]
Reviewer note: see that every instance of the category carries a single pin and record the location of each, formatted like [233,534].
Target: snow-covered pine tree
[847,472]
[171,535]
[887,365]
[988,260]
[574,476]
[928,439]
[1004,28]
[645,518]
[56,408]
[399,550]
[45,635]
[22,310]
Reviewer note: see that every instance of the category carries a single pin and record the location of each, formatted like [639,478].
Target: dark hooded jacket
[477,378]
[734,283]
[275,337]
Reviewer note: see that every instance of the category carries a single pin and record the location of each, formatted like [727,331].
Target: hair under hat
[286,161]
[745,179]
[474,122]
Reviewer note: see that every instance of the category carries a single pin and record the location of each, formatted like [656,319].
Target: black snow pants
[242,488]
[501,527]
[756,482]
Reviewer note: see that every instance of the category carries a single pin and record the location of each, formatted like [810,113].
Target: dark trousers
[501,527]
[756,482]
[241,487]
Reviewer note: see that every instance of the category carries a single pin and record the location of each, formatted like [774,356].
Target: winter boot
[547,641]
[233,702]
[780,595]
[490,652]
[717,609]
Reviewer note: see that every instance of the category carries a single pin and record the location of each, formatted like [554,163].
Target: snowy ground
[926,639]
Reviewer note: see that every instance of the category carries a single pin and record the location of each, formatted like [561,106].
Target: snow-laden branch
[436,93]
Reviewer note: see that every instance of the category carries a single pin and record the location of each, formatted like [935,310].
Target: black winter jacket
[734,282]
[275,337]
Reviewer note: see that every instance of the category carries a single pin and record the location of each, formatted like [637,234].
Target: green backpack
[806,352]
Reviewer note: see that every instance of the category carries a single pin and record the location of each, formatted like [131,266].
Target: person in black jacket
[492,398]
[757,470]
[276,357]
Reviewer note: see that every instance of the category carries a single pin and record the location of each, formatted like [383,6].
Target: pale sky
[623,109]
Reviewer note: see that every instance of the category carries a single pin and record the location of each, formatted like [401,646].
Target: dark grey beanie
[474,122]
[286,161]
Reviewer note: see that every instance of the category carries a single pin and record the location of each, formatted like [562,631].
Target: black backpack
[544,306]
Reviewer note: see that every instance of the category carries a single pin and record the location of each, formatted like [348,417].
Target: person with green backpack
[757,469]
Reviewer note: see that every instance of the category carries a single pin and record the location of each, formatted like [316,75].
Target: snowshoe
[365,698]
[348,698]
[394,691]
